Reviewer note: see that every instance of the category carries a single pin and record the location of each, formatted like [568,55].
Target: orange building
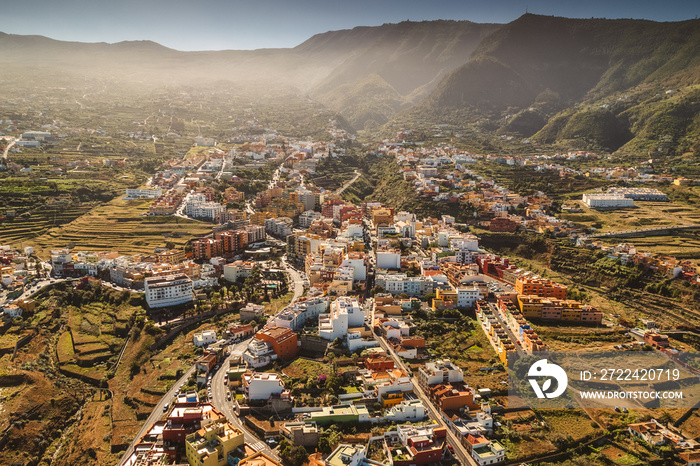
[283,341]
[541,288]
[448,397]
[232,241]
[379,363]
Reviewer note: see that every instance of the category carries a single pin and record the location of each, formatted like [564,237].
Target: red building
[184,419]
[206,248]
[421,445]
[656,340]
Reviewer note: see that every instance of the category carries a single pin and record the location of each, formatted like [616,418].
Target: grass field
[118,226]
[303,367]
[644,215]
[684,245]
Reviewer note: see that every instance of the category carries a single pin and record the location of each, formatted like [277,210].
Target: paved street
[157,413]
[219,391]
[460,452]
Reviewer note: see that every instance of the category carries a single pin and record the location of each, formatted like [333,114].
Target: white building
[388,260]
[345,313]
[196,206]
[251,311]
[296,315]
[12,311]
[237,270]
[309,217]
[406,411]
[353,230]
[261,385]
[204,338]
[465,243]
[258,353]
[280,227]
[154,193]
[441,371]
[467,297]
[607,201]
[307,199]
[170,290]
[359,269]
[347,455]
[401,283]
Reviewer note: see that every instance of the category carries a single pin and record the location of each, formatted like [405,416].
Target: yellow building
[210,445]
[392,398]
[172,256]
[445,300]
[382,215]
[571,310]
[258,218]
[530,306]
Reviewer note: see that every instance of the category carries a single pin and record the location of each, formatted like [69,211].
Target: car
[165,408]
[451,449]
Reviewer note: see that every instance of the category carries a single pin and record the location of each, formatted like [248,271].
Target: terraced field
[119,226]
[93,339]
[42,220]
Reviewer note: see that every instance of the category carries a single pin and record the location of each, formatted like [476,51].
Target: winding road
[11,142]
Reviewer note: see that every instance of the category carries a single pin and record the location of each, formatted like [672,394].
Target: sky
[253,24]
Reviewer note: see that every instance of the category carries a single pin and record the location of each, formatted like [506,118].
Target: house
[251,311]
[485,451]
[262,385]
[210,445]
[205,338]
[305,434]
[241,331]
[415,445]
[346,455]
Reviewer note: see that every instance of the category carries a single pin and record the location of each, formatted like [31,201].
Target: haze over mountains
[598,82]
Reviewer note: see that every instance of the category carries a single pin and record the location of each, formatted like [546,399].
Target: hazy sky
[251,24]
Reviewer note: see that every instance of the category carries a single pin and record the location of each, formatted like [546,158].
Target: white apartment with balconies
[258,353]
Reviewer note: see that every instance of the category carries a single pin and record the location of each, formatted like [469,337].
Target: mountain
[368,73]
[601,82]
[391,66]
[629,86]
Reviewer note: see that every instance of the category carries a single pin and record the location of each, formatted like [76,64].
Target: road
[460,453]
[346,185]
[296,277]
[513,338]
[220,402]
[11,142]
[156,414]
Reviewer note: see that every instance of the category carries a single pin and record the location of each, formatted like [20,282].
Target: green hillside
[588,82]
